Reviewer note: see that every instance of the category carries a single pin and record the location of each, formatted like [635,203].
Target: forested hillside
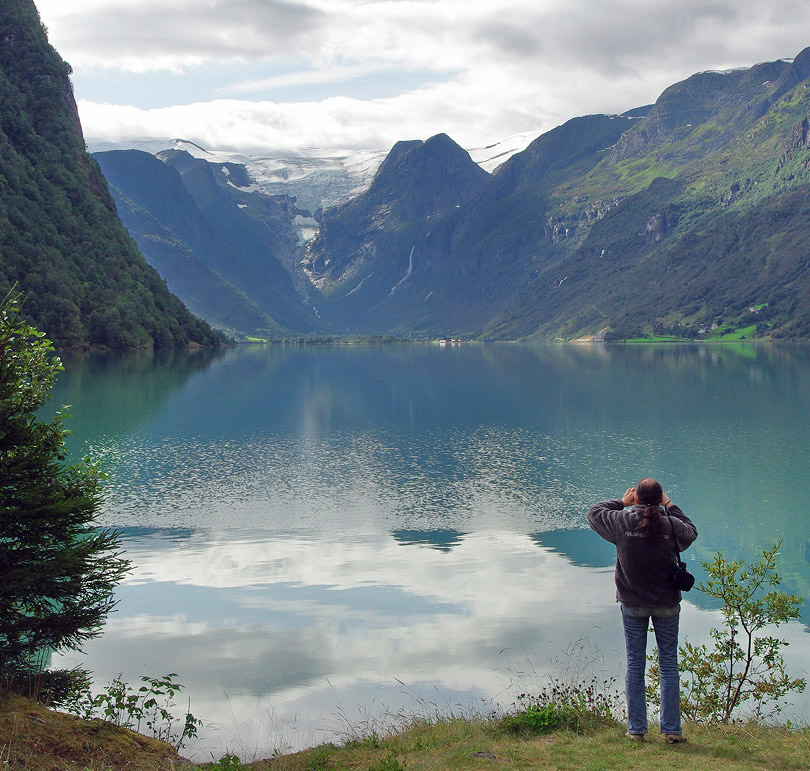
[61,242]
[707,222]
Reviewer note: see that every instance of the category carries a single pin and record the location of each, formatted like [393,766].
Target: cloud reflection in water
[282,638]
[302,624]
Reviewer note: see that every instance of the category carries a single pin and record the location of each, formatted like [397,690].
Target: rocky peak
[422,179]
[178,159]
[797,70]
[396,153]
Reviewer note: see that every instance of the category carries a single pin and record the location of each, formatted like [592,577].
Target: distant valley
[685,219]
[218,225]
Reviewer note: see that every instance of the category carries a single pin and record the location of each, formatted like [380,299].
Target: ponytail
[649,495]
[652,521]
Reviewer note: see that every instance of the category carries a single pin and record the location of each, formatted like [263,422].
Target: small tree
[57,570]
[745,664]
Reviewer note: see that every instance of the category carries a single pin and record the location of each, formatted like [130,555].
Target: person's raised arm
[602,516]
[683,527]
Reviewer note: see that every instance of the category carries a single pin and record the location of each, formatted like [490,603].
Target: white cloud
[308,77]
[152,35]
[479,70]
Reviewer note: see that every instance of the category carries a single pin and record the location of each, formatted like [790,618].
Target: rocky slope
[217,242]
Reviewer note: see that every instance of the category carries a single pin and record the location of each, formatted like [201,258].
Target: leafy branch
[150,706]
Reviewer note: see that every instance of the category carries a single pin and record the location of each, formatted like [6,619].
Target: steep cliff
[61,242]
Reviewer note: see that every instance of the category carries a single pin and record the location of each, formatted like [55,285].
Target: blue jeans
[665,624]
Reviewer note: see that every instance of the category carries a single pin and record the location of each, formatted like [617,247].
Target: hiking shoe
[675,738]
[635,737]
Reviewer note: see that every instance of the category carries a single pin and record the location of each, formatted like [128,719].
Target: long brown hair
[649,494]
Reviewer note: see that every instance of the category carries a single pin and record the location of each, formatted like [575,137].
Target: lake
[325,537]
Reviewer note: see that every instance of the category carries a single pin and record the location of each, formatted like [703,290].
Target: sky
[284,75]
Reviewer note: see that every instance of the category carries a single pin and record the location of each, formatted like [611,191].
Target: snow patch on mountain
[307,227]
[492,156]
[316,178]
[245,188]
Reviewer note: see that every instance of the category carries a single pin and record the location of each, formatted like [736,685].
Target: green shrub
[744,665]
[537,719]
[228,762]
[148,708]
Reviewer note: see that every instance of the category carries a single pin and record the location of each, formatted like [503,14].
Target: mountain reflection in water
[324,533]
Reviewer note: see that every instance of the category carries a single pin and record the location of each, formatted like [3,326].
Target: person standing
[647,529]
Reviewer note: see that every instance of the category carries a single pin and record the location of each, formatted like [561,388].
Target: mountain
[61,242]
[438,246]
[217,242]
[158,203]
[373,256]
[313,178]
[200,256]
[258,227]
[707,219]
[687,217]
[677,218]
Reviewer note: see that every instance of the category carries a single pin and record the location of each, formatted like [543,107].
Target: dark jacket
[644,564]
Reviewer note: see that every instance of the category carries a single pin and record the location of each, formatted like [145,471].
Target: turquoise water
[327,535]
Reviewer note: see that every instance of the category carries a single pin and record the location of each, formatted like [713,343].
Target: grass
[463,744]
[36,739]
[720,335]
[456,745]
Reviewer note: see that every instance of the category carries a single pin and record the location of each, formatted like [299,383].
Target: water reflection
[417,437]
[310,526]
[579,546]
[421,437]
[443,540]
[284,637]
[113,393]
